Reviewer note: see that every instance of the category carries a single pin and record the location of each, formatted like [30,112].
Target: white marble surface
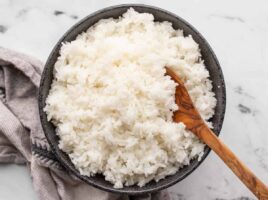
[237,31]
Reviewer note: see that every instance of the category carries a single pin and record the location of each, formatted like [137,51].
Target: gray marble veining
[236,30]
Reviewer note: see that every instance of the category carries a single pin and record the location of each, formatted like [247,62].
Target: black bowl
[211,63]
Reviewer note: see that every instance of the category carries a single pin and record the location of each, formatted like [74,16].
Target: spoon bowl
[189,115]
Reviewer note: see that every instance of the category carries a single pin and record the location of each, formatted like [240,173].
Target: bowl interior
[211,63]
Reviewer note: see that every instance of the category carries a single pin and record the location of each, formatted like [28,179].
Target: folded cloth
[22,140]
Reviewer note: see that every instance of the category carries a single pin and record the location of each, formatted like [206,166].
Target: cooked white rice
[112,103]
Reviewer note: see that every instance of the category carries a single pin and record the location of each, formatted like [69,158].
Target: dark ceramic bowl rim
[58,152]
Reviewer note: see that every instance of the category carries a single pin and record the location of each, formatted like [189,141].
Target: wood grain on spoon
[188,114]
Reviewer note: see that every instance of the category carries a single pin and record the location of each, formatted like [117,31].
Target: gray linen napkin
[22,140]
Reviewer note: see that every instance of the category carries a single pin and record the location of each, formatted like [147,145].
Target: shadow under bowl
[160,15]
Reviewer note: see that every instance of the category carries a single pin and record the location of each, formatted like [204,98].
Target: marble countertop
[237,31]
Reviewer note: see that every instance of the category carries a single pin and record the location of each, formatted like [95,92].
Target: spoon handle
[233,162]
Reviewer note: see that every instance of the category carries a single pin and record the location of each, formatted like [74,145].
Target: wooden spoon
[189,115]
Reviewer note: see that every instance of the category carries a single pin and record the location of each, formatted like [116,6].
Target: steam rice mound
[112,104]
